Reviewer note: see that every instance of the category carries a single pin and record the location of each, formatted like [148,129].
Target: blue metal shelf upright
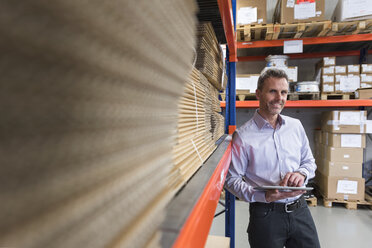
[228,16]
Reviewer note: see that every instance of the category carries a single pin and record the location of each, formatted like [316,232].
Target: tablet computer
[282,188]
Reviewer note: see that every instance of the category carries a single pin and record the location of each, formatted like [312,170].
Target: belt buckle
[286,207]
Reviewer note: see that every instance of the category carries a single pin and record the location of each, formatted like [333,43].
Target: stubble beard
[274,110]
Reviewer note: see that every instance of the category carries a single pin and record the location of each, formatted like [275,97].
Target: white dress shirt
[263,156]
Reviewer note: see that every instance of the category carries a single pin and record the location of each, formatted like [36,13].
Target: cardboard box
[250,12]
[366,78]
[337,88]
[350,83]
[328,70]
[364,93]
[247,82]
[337,82]
[364,85]
[329,79]
[341,69]
[366,68]
[341,187]
[344,140]
[290,70]
[353,69]
[328,61]
[341,154]
[339,76]
[335,169]
[328,87]
[344,121]
[296,11]
[351,10]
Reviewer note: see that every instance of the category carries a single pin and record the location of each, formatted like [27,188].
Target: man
[272,149]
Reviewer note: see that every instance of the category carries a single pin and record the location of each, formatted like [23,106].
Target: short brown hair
[272,72]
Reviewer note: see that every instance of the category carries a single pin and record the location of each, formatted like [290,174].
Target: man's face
[273,96]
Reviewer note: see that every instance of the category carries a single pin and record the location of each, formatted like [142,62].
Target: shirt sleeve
[238,166]
[307,166]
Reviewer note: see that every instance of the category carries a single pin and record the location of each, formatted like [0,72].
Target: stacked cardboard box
[326,68]
[342,78]
[365,75]
[88,118]
[349,82]
[339,154]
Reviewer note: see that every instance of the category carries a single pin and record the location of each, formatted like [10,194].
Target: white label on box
[366,78]
[349,83]
[353,68]
[290,3]
[349,118]
[247,15]
[327,79]
[347,187]
[328,88]
[338,77]
[318,13]
[260,20]
[366,68]
[293,46]
[304,10]
[351,140]
[356,8]
[329,70]
[247,83]
[329,61]
[363,85]
[368,126]
[340,69]
[345,167]
[346,156]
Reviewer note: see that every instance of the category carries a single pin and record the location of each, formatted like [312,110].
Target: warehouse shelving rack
[190,214]
[191,230]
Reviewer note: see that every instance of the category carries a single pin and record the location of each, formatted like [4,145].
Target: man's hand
[293,179]
[275,195]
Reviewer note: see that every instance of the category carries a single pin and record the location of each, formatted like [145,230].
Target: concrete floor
[337,227]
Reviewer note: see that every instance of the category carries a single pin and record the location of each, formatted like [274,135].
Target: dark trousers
[270,226]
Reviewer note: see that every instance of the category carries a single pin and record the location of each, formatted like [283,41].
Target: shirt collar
[260,121]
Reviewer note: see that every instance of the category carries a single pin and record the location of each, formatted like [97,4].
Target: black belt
[285,207]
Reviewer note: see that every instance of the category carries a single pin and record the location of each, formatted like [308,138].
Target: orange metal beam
[195,231]
[307,41]
[310,103]
[228,24]
[306,55]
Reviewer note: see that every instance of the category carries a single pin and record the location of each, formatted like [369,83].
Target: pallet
[303,96]
[245,95]
[351,205]
[352,27]
[340,96]
[312,201]
[301,30]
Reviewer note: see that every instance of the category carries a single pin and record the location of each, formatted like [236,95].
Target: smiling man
[272,149]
